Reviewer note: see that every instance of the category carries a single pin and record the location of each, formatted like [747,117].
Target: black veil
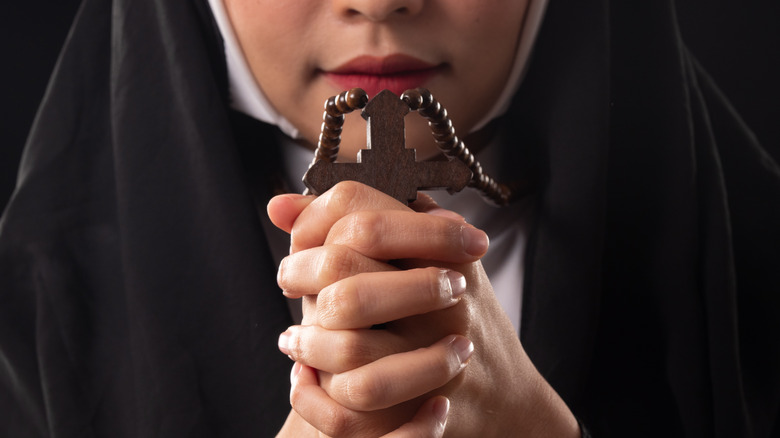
[135,277]
[139,297]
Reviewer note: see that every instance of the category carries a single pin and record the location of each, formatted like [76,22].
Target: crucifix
[386,164]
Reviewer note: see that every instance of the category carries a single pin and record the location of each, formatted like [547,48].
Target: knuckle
[350,352]
[337,422]
[335,263]
[338,304]
[343,195]
[363,392]
[332,419]
[362,230]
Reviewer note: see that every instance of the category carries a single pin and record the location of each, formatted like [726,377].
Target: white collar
[245,95]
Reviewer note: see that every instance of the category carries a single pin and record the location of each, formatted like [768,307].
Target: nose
[378,10]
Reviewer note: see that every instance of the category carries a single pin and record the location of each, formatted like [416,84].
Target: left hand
[371,381]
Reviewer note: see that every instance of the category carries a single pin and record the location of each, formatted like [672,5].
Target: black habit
[138,295]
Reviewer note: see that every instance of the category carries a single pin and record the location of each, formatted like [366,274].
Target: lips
[396,73]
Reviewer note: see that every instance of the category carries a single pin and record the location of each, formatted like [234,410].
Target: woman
[139,289]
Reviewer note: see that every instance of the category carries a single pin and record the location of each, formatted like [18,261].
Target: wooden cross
[386,164]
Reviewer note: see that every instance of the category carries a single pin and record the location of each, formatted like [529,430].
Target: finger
[312,225]
[390,234]
[314,405]
[309,271]
[283,210]
[429,422]
[311,402]
[400,377]
[366,299]
[425,204]
[338,351]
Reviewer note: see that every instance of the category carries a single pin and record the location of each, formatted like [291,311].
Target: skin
[289,46]
[447,355]
[362,382]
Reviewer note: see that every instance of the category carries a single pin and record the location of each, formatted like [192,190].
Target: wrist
[295,426]
[545,414]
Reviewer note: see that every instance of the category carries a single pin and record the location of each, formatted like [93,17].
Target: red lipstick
[396,73]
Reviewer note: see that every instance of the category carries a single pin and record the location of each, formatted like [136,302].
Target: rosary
[386,164]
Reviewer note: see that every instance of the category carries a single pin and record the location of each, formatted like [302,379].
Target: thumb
[283,210]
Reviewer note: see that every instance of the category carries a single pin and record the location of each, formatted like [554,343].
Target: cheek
[490,32]
[265,14]
[495,28]
[276,38]
[270,30]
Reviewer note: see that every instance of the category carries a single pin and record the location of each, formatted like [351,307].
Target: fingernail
[296,369]
[457,283]
[441,408]
[284,343]
[463,348]
[475,242]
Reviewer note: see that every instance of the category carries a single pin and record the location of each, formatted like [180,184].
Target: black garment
[652,289]
[139,298]
[138,291]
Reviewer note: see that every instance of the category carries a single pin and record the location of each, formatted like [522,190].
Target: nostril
[378,10]
[377,16]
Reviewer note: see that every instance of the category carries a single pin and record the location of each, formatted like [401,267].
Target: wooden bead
[341,103]
[445,137]
[427,97]
[413,98]
[332,122]
[329,142]
[331,109]
[357,98]
[442,132]
[422,101]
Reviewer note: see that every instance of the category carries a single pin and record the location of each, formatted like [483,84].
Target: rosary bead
[357,98]
[332,122]
[442,131]
[427,97]
[331,109]
[469,159]
[341,103]
[329,142]
[413,98]
[444,137]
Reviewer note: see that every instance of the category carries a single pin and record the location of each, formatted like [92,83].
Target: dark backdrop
[738,41]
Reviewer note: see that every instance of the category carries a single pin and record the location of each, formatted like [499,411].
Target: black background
[737,41]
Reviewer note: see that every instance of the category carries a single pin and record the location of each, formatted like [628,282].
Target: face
[303,52]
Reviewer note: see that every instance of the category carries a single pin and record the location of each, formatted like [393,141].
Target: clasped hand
[401,333]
